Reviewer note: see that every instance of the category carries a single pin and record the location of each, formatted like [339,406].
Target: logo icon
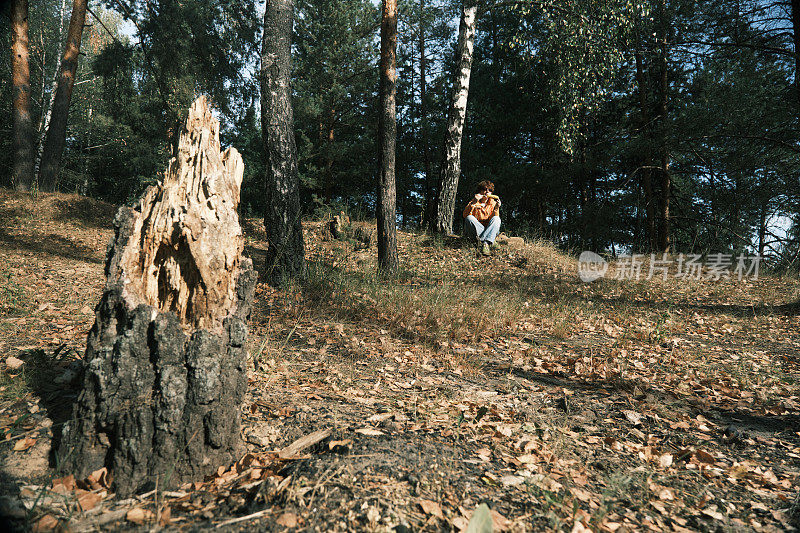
[591,266]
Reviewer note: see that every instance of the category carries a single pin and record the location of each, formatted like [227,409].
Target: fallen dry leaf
[500,522]
[460,523]
[578,527]
[332,445]
[431,508]
[88,500]
[633,417]
[545,482]
[373,515]
[46,523]
[380,417]
[14,364]
[658,506]
[713,513]
[370,432]
[67,483]
[583,495]
[165,517]
[23,444]
[705,457]
[287,520]
[512,481]
[485,454]
[98,479]
[139,516]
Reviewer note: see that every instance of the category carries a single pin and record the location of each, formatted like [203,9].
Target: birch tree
[450,171]
[57,132]
[45,120]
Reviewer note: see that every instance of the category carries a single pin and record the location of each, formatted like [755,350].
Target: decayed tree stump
[165,372]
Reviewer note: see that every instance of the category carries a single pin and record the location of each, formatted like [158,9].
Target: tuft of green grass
[12,295]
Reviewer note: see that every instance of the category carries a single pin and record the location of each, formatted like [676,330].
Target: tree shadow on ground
[259,257]
[455,242]
[12,518]
[54,245]
[87,212]
[55,379]
[566,292]
[724,417]
[749,422]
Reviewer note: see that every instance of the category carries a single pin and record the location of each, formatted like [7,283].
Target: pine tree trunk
[666,178]
[451,157]
[329,138]
[647,160]
[22,123]
[165,366]
[423,114]
[387,135]
[796,35]
[282,217]
[762,229]
[57,132]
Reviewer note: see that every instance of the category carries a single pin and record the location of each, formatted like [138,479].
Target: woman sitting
[482,217]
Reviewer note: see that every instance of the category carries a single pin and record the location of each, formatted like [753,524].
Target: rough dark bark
[796,36]
[666,177]
[22,123]
[387,135]
[285,255]
[165,370]
[423,125]
[450,172]
[57,132]
[329,138]
[647,160]
[762,229]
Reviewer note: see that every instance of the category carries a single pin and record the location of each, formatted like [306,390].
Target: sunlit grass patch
[415,306]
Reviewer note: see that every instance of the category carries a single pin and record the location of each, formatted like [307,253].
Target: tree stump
[165,365]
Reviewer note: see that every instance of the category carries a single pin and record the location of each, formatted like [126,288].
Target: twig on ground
[302,443]
[257,514]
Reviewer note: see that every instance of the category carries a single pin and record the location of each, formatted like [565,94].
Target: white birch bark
[45,123]
[451,157]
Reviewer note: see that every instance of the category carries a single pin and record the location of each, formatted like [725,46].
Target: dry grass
[427,310]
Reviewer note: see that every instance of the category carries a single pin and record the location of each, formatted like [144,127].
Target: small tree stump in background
[165,364]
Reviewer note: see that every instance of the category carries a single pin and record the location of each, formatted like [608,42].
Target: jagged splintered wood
[165,372]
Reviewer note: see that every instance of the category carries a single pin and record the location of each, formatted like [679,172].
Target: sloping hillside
[618,405]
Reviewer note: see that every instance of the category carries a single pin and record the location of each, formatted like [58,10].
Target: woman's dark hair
[485,184]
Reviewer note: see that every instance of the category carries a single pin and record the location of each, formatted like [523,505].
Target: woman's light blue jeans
[474,229]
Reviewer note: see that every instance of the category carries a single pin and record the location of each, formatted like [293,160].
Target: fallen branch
[302,443]
[257,514]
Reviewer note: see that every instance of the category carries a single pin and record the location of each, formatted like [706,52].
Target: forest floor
[617,405]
